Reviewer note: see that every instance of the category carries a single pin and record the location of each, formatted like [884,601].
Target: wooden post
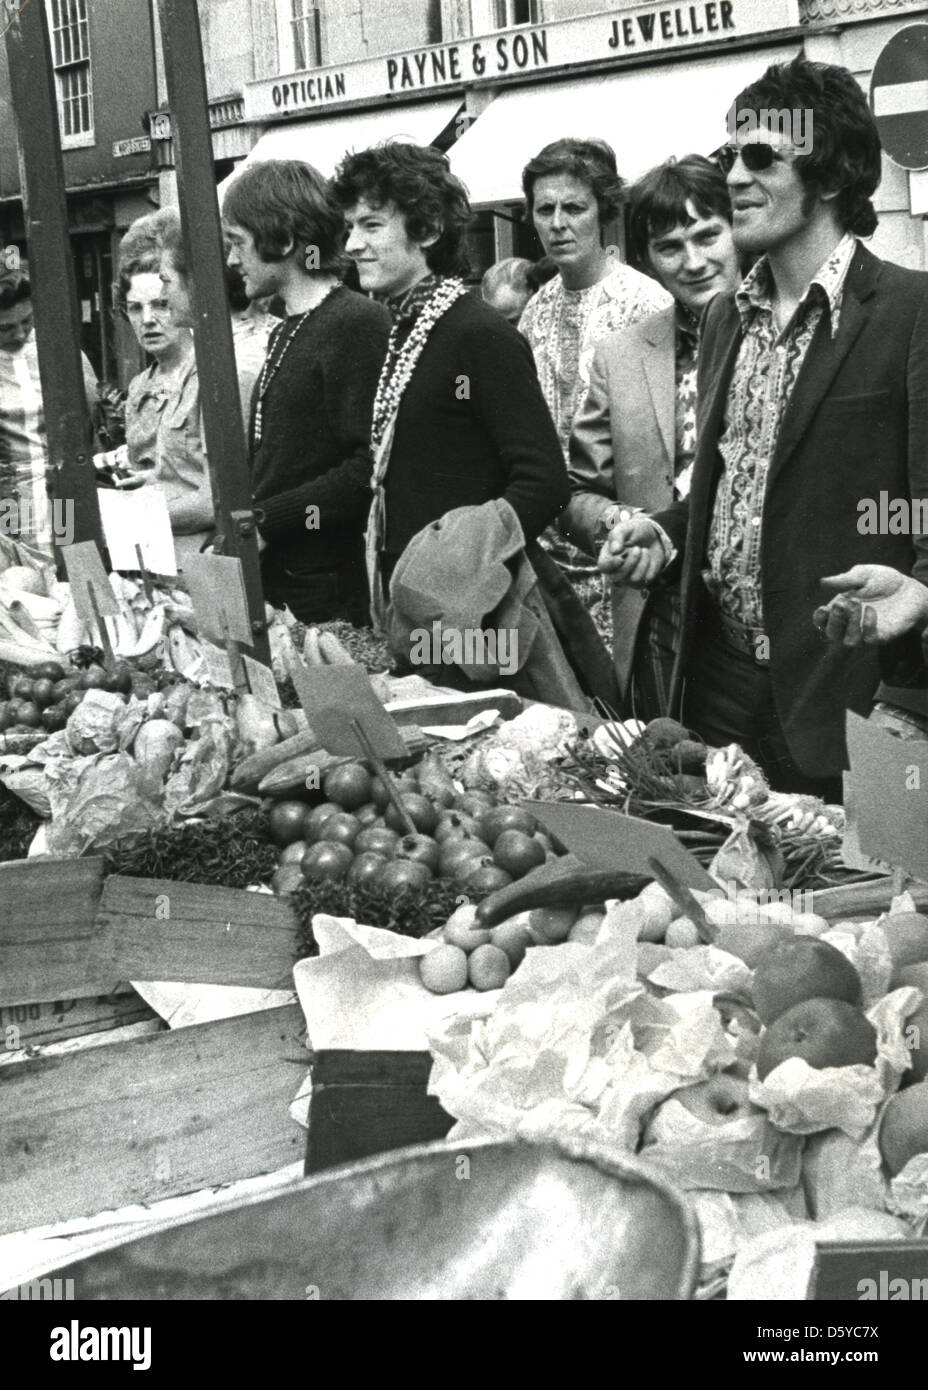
[219,395]
[68,427]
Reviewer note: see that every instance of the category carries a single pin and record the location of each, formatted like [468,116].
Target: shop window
[70,38]
[299,33]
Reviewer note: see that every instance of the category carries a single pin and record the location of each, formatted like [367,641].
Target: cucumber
[251,771]
[565,882]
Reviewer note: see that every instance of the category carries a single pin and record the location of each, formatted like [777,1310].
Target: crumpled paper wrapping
[577,1045]
[804,1100]
[779,1265]
[363,990]
[838,1172]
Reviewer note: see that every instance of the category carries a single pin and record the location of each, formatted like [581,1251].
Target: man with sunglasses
[813,395]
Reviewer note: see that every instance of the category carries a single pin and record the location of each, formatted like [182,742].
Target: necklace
[400,362]
[272,364]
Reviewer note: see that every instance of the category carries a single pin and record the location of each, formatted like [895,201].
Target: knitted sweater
[315,433]
[472,426]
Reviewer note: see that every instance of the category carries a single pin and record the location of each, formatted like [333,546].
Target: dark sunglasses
[756,156]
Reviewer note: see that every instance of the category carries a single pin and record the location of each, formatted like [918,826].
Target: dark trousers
[728,698]
[317,596]
[655,651]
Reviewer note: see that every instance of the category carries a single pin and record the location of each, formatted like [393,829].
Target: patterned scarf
[415,315]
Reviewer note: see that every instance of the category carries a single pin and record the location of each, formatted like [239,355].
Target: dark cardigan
[316,427]
[472,425]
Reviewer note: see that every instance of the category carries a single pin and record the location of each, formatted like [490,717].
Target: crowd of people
[701,431]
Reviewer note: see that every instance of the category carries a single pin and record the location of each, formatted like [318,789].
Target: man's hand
[875,603]
[633,553]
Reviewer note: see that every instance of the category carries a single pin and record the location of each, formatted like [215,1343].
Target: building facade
[488,81]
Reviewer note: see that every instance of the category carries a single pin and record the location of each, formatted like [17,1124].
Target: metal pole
[219,395]
[54,289]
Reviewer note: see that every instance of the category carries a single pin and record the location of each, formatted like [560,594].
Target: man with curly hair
[812,396]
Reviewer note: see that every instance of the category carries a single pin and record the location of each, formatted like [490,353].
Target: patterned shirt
[685,352]
[24,447]
[164,440]
[565,326]
[766,371]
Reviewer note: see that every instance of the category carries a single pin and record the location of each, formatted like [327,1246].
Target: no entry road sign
[899,97]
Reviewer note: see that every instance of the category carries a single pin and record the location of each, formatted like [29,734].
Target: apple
[377,839]
[749,941]
[364,870]
[444,970]
[454,825]
[397,875]
[719,1100]
[907,939]
[488,967]
[798,968]
[915,1033]
[499,818]
[904,1127]
[823,1032]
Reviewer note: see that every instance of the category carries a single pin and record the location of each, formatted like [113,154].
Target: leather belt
[749,640]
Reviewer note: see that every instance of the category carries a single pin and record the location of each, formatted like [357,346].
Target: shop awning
[646,115]
[323,143]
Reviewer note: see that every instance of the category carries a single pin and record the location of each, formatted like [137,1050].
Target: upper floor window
[67,20]
[508,14]
[299,32]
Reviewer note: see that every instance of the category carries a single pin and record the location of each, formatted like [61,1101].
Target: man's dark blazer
[856,425]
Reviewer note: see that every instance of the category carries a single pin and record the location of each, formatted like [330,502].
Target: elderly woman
[572,191]
[163,433]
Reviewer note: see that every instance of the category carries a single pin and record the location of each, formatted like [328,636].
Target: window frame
[73,66]
[286,34]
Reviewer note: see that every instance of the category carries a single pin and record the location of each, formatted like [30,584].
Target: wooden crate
[364,1103]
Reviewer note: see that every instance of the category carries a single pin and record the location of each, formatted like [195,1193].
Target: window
[71,58]
[507,14]
[299,29]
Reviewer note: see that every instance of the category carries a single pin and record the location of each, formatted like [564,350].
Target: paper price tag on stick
[90,587]
[887,810]
[332,696]
[262,683]
[138,519]
[217,592]
[611,840]
[219,670]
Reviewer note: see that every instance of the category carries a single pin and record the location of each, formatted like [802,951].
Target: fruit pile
[357,835]
[43,699]
[485,957]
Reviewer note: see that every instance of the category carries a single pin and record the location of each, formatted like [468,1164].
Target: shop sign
[518,53]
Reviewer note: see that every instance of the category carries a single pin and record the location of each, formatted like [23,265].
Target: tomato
[49,670]
[21,688]
[287,878]
[94,678]
[475,803]
[313,819]
[499,818]
[73,700]
[456,853]
[421,848]
[342,828]
[453,825]
[285,822]
[43,692]
[118,682]
[54,717]
[368,813]
[486,878]
[377,839]
[293,853]
[326,860]
[349,786]
[400,874]
[420,810]
[6,716]
[28,713]
[365,870]
[517,853]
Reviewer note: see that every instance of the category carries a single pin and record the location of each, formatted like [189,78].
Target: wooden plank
[47,912]
[35,1023]
[226,452]
[161,1115]
[154,929]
